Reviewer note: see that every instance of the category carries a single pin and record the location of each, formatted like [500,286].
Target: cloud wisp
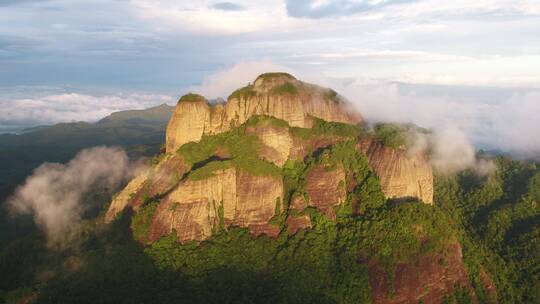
[57,195]
[450,151]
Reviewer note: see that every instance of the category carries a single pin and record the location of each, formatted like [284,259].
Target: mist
[450,151]
[464,118]
[56,195]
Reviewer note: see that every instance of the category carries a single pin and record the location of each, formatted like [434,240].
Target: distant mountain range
[140,132]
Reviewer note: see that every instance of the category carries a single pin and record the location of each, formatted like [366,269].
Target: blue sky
[472,64]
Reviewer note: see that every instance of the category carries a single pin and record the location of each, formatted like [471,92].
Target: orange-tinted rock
[325,188]
[267,229]
[276,143]
[296,223]
[155,182]
[402,175]
[299,203]
[194,117]
[191,209]
[429,279]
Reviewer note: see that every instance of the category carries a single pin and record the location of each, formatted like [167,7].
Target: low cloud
[450,151]
[57,195]
[25,111]
[490,118]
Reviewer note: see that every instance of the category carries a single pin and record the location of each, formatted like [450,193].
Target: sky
[474,65]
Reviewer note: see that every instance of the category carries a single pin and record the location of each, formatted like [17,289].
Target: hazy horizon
[434,64]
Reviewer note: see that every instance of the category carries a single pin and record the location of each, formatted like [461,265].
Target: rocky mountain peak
[232,164]
[279,95]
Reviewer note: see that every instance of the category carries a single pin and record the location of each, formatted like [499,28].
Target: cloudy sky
[471,64]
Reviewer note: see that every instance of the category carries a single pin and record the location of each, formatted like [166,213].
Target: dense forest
[495,218]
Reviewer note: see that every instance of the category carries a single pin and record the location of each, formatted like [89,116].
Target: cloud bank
[17,112]
[57,195]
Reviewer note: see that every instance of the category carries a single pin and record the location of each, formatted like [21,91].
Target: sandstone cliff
[192,208]
[275,120]
[277,95]
[403,175]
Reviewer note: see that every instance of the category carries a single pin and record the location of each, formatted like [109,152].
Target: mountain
[139,131]
[282,194]
[280,163]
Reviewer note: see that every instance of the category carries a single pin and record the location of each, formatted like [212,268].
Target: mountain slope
[140,131]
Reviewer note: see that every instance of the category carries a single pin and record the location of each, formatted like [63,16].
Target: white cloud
[200,17]
[67,107]
[224,81]
[506,122]
[56,195]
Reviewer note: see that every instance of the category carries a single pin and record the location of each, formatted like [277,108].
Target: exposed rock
[429,279]
[296,223]
[256,198]
[191,209]
[402,175]
[155,182]
[325,188]
[280,96]
[301,148]
[122,200]
[299,203]
[276,142]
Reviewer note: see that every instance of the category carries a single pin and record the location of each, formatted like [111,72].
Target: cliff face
[279,95]
[402,175]
[285,157]
[192,208]
[230,196]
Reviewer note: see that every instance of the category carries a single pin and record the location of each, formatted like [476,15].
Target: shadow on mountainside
[115,269]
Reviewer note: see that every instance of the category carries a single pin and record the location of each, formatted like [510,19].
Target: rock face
[427,280]
[326,189]
[192,208]
[277,95]
[402,175]
[276,143]
[232,197]
[150,184]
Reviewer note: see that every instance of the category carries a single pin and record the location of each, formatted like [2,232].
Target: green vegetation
[140,133]
[264,120]
[242,150]
[141,221]
[495,218]
[332,95]
[391,135]
[327,128]
[266,76]
[244,93]
[286,88]
[208,169]
[501,215]
[192,97]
